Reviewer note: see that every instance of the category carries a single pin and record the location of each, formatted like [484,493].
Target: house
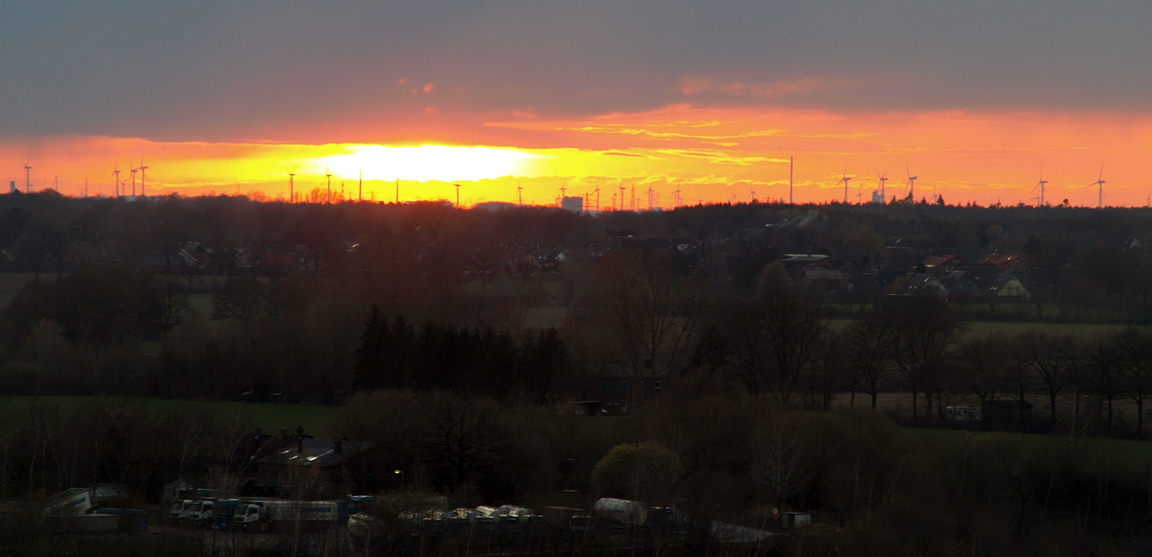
[1012,263]
[797,263]
[961,287]
[900,258]
[936,264]
[816,280]
[924,283]
[1008,288]
[340,467]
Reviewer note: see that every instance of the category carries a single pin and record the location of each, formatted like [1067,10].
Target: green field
[266,415]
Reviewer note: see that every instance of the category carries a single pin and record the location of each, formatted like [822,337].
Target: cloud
[218,69]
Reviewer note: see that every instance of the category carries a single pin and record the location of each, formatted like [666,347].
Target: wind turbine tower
[845,179]
[291,183]
[328,175]
[1100,183]
[27,178]
[622,195]
[134,171]
[597,192]
[116,173]
[911,183]
[519,193]
[1040,185]
[883,178]
[143,190]
[457,195]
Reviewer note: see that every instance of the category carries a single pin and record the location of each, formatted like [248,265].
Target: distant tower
[27,178]
[791,167]
[12,187]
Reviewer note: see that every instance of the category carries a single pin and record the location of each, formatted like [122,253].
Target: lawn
[268,416]
[1129,455]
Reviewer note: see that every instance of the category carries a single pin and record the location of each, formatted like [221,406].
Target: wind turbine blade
[1101,175]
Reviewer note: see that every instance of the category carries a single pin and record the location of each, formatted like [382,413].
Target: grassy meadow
[268,416]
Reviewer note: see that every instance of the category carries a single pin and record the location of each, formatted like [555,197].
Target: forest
[744,353]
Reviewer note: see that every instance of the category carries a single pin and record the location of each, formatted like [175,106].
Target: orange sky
[714,154]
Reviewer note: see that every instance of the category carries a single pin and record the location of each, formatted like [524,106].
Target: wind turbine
[883,178]
[845,179]
[116,173]
[1041,183]
[751,195]
[291,183]
[134,171]
[563,190]
[597,192]
[677,194]
[457,195]
[27,178]
[911,184]
[650,197]
[1100,183]
[143,191]
[56,183]
[621,194]
[328,175]
[520,193]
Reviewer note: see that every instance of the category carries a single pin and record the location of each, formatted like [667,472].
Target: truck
[224,514]
[73,502]
[181,509]
[267,513]
[201,513]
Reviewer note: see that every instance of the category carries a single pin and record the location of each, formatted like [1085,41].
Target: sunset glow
[711,155]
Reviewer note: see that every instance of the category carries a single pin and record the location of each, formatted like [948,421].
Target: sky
[518,99]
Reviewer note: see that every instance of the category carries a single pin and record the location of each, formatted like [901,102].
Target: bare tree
[926,332]
[650,314]
[871,346]
[1134,359]
[780,456]
[984,363]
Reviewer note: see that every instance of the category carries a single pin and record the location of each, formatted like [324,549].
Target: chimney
[339,447]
